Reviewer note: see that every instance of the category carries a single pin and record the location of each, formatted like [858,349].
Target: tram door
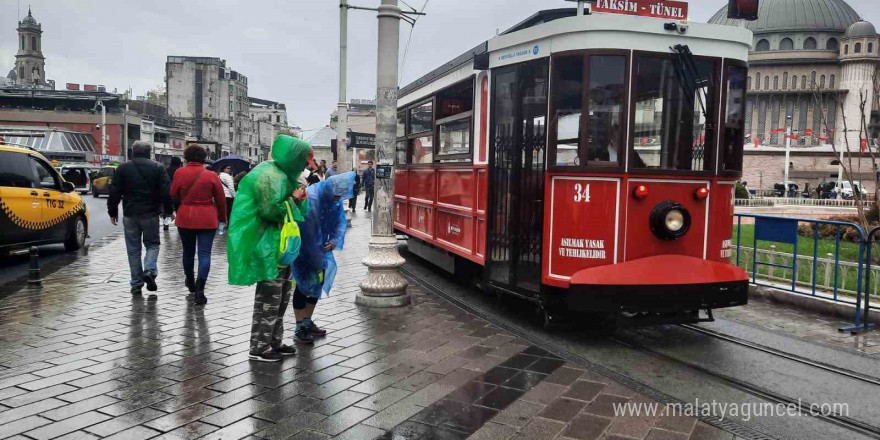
[516,170]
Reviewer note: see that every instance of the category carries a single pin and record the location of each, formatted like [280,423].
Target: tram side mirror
[743,9]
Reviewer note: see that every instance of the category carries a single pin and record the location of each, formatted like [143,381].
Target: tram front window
[569,72]
[607,80]
[670,128]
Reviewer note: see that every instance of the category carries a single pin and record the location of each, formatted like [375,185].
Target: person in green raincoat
[254,237]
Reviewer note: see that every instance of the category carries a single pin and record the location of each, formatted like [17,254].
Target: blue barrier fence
[771,256]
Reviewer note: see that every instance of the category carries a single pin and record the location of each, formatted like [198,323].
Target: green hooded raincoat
[259,209]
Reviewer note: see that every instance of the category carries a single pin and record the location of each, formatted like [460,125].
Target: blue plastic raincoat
[315,269]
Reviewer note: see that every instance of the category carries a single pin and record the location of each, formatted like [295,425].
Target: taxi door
[21,210]
[54,201]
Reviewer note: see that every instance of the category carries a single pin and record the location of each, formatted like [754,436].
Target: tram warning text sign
[674,10]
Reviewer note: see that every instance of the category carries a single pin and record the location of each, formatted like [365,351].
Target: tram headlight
[674,220]
[670,220]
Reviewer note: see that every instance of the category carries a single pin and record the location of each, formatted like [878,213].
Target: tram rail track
[735,427]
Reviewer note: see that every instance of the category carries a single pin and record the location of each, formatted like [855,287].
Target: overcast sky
[288,49]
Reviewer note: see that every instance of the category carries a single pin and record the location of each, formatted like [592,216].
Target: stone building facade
[809,59]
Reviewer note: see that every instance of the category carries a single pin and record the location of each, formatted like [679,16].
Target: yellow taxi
[101,181]
[36,205]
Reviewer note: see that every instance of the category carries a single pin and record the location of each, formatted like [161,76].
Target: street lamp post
[787,152]
[384,286]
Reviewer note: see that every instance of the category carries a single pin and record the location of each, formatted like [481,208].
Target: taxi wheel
[76,238]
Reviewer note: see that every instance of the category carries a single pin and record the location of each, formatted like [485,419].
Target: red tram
[585,162]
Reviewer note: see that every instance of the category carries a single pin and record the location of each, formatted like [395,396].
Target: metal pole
[384,286]
[103,128]
[342,107]
[840,176]
[787,158]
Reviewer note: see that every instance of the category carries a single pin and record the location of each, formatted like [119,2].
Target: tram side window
[567,95]
[607,80]
[400,153]
[421,118]
[401,124]
[422,149]
[454,119]
[734,122]
[670,128]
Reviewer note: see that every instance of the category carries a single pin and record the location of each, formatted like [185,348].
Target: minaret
[29,62]
[860,64]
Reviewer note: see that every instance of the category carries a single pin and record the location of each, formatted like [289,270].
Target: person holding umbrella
[228,187]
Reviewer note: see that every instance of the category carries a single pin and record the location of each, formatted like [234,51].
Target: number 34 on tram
[584,162]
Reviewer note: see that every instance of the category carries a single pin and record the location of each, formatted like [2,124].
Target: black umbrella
[238,164]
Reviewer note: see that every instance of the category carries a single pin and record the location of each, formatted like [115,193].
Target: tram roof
[511,37]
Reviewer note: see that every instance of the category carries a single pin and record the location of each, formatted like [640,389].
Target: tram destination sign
[674,10]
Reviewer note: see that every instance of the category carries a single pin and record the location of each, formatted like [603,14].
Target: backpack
[291,240]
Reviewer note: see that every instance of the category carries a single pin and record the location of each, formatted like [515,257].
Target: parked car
[39,206]
[78,175]
[101,181]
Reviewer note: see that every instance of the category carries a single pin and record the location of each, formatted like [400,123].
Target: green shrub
[741,191]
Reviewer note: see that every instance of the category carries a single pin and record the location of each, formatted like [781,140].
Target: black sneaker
[190,284]
[316,331]
[303,336]
[150,281]
[136,290]
[286,350]
[199,298]
[269,356]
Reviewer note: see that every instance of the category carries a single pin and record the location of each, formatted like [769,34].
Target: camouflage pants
[270,304]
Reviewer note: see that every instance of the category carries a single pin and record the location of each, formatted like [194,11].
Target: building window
[804,82]
[22,42]
[831,83]
[870,47]
[810,44]
[858,48]
[776,82]
[822,82]
[813,80]
[794,82]
[785,81]
[846,49]
[767,82]
[762,46]
[278,118]
[749,83]
[21,73]
[758,81]
[832,44]
[786,44]
[34,43]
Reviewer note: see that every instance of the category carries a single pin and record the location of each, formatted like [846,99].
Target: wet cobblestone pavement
[807,325]
[83,359]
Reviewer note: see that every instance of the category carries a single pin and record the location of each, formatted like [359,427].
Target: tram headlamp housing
[670,220]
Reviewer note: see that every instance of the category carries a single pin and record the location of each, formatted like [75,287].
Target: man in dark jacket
[143,186]
[369,181]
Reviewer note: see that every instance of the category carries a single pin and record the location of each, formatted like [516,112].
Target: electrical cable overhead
[409,40]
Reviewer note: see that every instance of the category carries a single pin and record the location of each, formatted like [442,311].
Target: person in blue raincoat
[322,231]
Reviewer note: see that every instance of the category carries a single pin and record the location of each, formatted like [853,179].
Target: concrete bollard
[35,278]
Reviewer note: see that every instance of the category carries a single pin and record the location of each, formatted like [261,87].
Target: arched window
[804,82]
[33,43]
[776,82]
[758,81]
[832,44]
[785,81]
[762,46]
[846,49]
[822,82]
[794,82]
[810,44]
[22,42]
[870,47]
[786,44]
[858,48]
[767,82]
[21,73]
[749,83]
[831,82]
